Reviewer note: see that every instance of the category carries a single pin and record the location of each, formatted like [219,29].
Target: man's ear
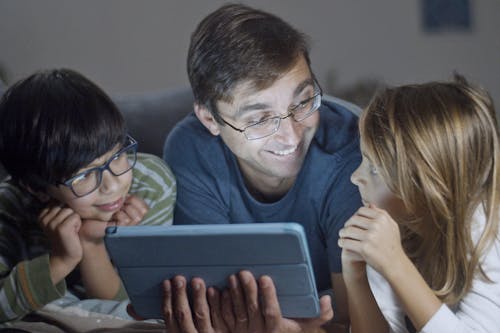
[206,118]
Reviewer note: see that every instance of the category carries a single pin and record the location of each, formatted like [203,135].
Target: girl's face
[102,203]
[374,190]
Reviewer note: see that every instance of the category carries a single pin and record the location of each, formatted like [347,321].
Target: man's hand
[207,317]
[250,315]
[236,310]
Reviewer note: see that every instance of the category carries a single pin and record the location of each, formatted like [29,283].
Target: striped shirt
[25,283]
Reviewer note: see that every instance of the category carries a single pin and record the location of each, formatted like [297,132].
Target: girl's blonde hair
[436,145]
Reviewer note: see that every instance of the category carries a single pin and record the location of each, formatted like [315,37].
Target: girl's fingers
[350,245]
[359,222]
[353,232]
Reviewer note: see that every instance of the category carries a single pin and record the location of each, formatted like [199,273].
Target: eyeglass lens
[117,165]
[271,125]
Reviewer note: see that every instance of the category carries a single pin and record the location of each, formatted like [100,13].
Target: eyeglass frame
[279,117]
[133,144]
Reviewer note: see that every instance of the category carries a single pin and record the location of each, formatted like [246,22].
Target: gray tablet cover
[146,255]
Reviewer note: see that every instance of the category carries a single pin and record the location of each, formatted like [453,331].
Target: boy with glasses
[262,146]
[74,171]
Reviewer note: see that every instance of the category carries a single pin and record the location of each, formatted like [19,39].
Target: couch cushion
[150,116]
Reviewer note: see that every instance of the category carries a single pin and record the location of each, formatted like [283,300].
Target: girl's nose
[356,177]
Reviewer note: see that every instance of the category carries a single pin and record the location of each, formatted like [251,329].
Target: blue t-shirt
[211,189]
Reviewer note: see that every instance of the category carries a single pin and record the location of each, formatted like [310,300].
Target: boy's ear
[206,118]
[41,195]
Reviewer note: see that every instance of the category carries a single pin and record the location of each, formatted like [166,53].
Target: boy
[73,172]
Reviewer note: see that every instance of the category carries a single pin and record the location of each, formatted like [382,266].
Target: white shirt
[478,311]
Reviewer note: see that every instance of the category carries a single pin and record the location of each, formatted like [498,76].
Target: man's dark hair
[237,43]
[52,124]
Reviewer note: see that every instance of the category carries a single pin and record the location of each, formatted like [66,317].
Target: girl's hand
[353,264]
[132,211]
[373,236]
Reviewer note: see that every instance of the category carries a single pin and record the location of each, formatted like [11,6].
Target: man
[261,145]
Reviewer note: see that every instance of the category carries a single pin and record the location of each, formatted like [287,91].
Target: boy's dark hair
[52,124]
[237,43]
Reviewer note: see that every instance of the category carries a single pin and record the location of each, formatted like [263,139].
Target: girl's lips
[111,206]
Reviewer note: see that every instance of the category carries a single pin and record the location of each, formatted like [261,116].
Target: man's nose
[289,130]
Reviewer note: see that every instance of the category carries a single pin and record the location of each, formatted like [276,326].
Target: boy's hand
[132,211]
[61,225]
[92,231]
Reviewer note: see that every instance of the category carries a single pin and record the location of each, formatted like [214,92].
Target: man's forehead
[247,95]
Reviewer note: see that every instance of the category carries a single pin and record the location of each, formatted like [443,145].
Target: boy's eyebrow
[263,106]
[95,163]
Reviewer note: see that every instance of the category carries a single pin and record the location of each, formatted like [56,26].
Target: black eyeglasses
[88,181]
[269,126]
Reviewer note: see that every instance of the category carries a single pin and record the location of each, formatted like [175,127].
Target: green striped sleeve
[154,182]
[27,288]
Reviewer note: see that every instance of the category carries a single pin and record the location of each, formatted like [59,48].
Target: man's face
[274,160]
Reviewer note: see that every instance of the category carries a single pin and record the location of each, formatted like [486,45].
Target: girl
[425,247]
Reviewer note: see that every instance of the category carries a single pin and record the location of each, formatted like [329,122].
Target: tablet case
[146,255]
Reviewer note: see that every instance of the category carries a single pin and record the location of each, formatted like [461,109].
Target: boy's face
[102,203]
[277,158]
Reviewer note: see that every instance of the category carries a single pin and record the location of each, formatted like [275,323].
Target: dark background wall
[135,46]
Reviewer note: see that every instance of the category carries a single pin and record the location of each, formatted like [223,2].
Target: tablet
[146,255]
